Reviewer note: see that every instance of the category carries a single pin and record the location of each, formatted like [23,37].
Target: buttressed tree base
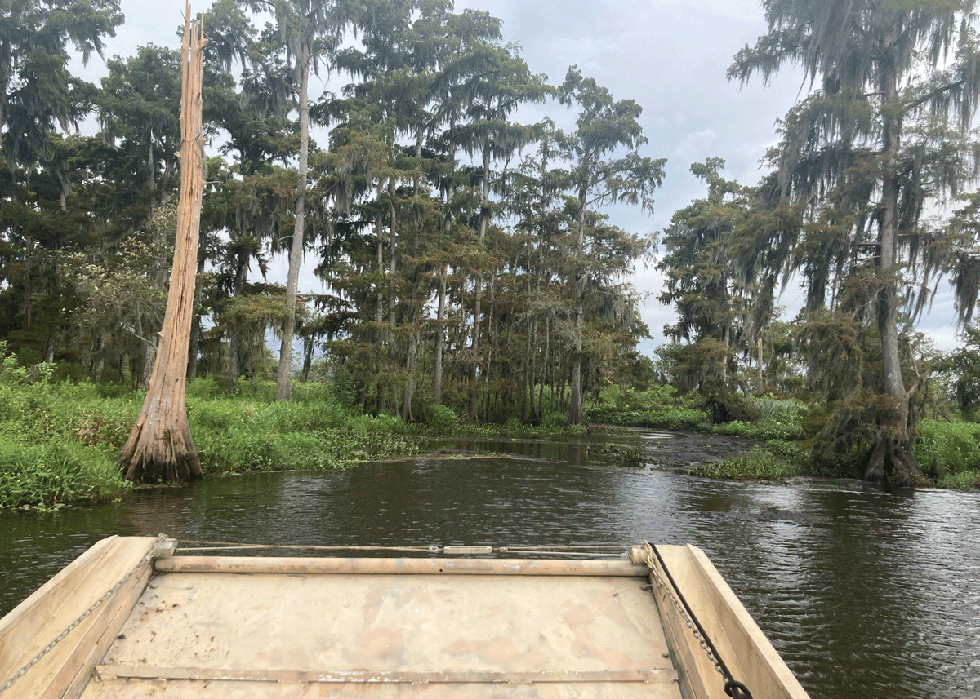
[160,448]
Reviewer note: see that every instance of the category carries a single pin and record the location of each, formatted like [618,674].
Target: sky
[669,56]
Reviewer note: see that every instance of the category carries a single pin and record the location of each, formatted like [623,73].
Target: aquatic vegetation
[55,473]
[59,441]
[760,464]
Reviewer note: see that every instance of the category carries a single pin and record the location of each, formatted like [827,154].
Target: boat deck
[280,635]
[130,619]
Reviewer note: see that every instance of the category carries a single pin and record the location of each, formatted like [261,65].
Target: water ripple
[879,599]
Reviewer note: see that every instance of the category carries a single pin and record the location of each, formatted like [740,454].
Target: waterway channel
[866,595]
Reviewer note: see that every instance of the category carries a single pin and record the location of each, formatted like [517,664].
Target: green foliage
[776,409]
[54,473]
[949,452]
[774,419]
[887,121]
[366,424]
[254,432]
[660,406]
[707,368]
[553,421]
[11,371]
[58,442]
[967,480]
[83,274]
[963,368]
[441,419]
[760,464]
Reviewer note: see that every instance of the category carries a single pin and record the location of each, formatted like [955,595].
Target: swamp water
[865,595]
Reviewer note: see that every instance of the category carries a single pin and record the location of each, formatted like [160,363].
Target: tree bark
[441,310]
[440,341]
[195,339]
[576,413]
[284,385]
[761,374]
[477,312]
[891,459]
[235,333]
[160,448]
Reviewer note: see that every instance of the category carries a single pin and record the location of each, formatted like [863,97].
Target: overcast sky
[670,56]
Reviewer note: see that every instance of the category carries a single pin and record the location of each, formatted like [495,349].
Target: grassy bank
[662,407]
[58,442]
[948,451]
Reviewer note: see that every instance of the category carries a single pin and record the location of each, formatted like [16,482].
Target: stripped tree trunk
[160,448]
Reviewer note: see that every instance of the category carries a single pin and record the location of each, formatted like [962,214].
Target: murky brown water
[880,600]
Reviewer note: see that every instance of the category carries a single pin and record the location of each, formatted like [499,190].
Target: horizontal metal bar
[108,672]
[398,566]
[467,550]
[185,545]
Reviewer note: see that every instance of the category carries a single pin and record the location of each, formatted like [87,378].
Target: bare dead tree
[160,448]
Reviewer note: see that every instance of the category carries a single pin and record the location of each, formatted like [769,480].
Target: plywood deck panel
[393,635]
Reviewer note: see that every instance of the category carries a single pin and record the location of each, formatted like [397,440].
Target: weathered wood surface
[750,657]
[160,447]
[425,628]
[390,635]
[399,566]
[39,619]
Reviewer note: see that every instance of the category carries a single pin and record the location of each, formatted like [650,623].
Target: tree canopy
[457,209]
[884,130]
[465,253]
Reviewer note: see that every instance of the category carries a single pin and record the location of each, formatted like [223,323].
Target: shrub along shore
[59,441]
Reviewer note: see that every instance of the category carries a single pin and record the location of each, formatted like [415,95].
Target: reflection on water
[879,598]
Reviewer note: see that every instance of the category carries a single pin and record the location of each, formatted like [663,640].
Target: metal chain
[733,687]
[685,616]
[74,625]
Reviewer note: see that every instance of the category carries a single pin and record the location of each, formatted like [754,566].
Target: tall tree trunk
[195,340]
[393,246]
[379,317]
[409,393]
[547,376]
[284,385]
[379,311]
[308,346]
[390,386]
[160,447]
[891,457]
[441,309]
[576,412]
[440,341]
[761,375]
[484,224]
[6,70]
[236,334]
